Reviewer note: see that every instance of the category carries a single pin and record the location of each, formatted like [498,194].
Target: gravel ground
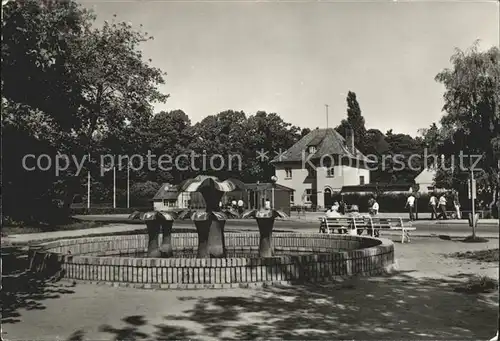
[415,303]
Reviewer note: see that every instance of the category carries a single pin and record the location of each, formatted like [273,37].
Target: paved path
[455,231]
[312,217]
[417,303]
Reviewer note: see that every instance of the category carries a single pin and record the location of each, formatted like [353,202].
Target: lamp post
[472,189]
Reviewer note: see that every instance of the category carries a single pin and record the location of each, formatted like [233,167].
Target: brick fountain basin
[299,258]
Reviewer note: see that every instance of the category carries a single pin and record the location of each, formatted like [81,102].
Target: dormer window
[312,149]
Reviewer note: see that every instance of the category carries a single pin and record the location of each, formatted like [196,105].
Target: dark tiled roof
[316,140]
[327,142]
[167,191]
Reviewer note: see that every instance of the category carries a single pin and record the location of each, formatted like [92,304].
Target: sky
[292,58]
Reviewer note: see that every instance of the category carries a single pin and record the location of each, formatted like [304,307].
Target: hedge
[391,203]
[395,202]
[388,202]
[108,210]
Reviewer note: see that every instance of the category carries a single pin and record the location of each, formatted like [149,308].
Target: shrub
[108,210]
[490,255]
[478,285]
[388,202]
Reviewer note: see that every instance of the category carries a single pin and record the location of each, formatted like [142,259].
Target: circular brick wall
[96,259]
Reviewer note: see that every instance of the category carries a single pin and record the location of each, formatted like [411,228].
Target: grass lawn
[74,225]
[490,255]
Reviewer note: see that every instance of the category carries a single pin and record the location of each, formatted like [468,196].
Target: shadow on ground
[131,331]
[23,290]
[399,306]
[390,307]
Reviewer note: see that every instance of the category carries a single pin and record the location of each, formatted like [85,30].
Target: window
[361,180]
[292,199]
[288,172]
[169,203]
[312,149]
[330,172]
[308,195]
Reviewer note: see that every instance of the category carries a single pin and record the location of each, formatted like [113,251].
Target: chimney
[349,141]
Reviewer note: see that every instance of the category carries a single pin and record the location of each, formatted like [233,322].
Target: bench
[395,224]
[350,225]
[373,225]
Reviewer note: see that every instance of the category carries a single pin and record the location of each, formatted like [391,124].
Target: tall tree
[81,84]
[401,149]
[431,138]
[354,121]
[220,137]
[269,132]
[377,147]
[471,124]
[170,133]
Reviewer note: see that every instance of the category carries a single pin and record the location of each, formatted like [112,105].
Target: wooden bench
[350,225]
[398,224]
[373,226]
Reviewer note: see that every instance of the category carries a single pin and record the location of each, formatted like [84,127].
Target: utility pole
[472,192]
[88,189]
[114,187]
[128,184]
[326,106]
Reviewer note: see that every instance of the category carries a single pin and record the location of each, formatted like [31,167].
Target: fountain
[211,258]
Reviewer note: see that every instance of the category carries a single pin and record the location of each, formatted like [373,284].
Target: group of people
[340,209]
[436,205]
[235,205]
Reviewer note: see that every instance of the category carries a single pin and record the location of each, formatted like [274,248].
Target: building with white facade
[425,181]
[319,165]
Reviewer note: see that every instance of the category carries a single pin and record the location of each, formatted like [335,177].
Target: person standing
[374,208]
[267,205]
[370,203]
[433,204]
[240,206]
[442,207]
[456,203]
[342,207]
[410,205]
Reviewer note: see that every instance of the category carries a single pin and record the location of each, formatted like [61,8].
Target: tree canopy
[354,121]
[70,85]
[471,124]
